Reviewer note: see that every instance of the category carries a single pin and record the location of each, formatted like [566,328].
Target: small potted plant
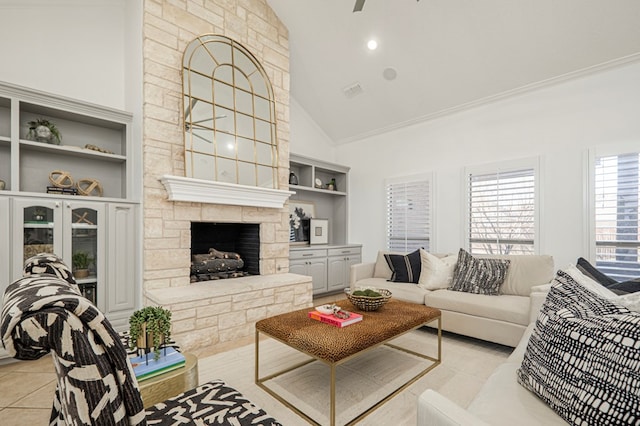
[43,130]
[149,328]
[81,261]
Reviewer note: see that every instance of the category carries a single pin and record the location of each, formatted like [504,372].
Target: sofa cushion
[623,287]
[405,268]
[525,271]
[436,272]
[582,358]
[479,276]
[503,402]
[508,308]
[400,291]
[382,269]
[592,272]
[630,301]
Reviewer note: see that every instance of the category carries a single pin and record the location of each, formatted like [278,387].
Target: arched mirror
[229,114]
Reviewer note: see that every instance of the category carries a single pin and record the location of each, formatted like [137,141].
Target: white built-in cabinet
[313,263]
[105,227]
[339,263]
[328,265]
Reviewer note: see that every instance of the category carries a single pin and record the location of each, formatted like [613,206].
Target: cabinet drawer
[344,251]
[306,254]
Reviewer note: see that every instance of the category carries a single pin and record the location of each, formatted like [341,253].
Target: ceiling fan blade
[358,6]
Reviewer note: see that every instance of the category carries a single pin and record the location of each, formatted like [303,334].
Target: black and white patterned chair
[44,312]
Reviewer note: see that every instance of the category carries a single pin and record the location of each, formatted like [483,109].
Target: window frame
[429,178]
[609,150]
[533,163]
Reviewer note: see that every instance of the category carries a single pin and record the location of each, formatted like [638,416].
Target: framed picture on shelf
[300,213]
[318,231]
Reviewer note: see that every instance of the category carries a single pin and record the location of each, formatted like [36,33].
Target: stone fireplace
[206,316]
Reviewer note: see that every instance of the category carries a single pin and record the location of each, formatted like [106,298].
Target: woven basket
[366,303]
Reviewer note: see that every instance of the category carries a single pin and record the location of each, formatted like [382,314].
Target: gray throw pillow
[479,276]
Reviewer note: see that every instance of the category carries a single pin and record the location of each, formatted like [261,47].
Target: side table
[171,383]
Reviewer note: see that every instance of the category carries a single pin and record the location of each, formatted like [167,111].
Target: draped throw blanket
[43,313]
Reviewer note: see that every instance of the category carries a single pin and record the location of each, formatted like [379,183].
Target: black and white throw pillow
[405,268]
[583,355]
[479,276]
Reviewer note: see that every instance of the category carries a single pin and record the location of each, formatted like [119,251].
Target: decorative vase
[81,273]
[145,340]
[293,179]
[2,185]
[43,134]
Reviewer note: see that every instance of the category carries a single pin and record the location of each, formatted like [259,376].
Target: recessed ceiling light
[389,74]
[372,44]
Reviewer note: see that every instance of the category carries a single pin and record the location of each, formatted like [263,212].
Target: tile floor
[27,387]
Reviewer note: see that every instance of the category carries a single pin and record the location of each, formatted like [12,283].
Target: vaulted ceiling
[446,54]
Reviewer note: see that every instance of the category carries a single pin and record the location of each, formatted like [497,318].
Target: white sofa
[501,319]
[500,402]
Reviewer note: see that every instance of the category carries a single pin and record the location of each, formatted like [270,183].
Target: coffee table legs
[333,366]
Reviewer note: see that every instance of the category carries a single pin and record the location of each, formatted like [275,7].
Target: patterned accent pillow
[582,358]
[479,276]
[404,268]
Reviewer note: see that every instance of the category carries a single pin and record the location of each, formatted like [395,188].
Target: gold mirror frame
[229,114]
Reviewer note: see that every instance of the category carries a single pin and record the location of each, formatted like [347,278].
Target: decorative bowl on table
[369,299]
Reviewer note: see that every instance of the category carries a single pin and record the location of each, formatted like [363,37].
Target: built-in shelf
[75,151]
[296,188]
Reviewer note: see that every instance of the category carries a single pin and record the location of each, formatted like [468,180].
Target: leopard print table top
[333,344]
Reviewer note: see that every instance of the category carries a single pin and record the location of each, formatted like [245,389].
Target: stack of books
[336,322]
[146,367]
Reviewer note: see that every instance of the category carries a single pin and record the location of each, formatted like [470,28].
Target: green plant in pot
[81,261]
[43,130]
[149,328]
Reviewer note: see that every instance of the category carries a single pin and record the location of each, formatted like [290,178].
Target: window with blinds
[616,188]
[408,214]
[502,212]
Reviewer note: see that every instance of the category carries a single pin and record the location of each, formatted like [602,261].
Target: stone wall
[208,316]
[169,26]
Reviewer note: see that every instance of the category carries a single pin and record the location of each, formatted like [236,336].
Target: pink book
[337,322]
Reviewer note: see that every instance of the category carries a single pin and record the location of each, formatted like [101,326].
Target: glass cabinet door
[84,250]
[40,232]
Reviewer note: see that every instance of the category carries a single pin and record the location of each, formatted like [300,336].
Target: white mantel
[182,188]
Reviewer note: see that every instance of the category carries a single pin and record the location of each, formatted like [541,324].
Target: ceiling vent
[352,90]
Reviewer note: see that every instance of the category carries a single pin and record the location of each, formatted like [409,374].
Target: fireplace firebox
[224,250]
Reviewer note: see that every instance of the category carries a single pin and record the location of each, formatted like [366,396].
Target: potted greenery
[150,327]
[81,261]
[43,130]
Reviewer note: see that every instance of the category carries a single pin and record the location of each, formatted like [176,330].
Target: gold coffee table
[334,346]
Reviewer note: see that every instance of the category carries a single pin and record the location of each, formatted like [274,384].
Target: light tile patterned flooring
[27,387]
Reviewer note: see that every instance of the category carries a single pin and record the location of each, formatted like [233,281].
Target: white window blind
[502,212]
[616,215]
[408,215]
